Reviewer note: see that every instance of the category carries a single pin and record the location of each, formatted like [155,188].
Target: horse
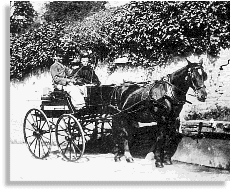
[160,101]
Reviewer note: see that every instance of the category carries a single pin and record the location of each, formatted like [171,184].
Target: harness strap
[170,93]
[127,109]
[147,97]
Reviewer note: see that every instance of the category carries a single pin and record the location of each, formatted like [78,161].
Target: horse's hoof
[159,165]
[168,162]
[117,159]
[130,160]
[150,156]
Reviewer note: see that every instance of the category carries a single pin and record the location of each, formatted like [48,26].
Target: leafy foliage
[34,49]
[157,31]
[26,12]
[71,10]
[149,32]
[87,34]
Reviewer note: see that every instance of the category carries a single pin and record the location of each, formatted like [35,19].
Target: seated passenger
[84,73]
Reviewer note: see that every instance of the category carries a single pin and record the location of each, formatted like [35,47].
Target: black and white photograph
[128,91]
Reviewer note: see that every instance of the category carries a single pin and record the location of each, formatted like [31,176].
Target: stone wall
[217,85]
[208,152]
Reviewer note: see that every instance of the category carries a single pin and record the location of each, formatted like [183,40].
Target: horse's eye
[200,72]
[205,76]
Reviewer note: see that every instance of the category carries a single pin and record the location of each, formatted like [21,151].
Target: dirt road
[101,167]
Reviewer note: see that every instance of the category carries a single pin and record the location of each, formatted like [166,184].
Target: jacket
[60,73]
[85,75]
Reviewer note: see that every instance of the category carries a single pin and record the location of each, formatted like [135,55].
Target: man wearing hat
[63,78]
[60,73]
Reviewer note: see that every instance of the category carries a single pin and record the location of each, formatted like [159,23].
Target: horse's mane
[179,72]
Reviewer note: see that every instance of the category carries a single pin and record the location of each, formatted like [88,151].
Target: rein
[195,88]
[76,73]
[172,85]
[148,98]
[124,110]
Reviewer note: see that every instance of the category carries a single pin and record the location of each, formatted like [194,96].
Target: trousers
[77,93]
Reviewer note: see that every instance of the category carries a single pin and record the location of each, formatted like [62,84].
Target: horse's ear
[188,61]
[201,61]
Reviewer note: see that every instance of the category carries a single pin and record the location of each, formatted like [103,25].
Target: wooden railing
[206,129]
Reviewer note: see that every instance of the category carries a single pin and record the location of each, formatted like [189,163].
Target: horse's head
[196,78]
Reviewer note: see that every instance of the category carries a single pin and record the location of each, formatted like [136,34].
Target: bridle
[190,71]
[195,88]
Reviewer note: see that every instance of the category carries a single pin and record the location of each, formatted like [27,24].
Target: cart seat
[56,94]
[45,98]
[59,94]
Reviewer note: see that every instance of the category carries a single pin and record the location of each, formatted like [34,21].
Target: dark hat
[84,54]
[59,52]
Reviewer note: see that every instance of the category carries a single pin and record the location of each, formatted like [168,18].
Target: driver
[62,77]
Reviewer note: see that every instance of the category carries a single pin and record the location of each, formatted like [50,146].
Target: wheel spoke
[39,147]
[43,146]
[61,135]
[62,143]
[62,128]
[69,125]
[31,124]
[42,125]
[65,123]
[32,118]
[30,136]
[70,151]
[45,142]
[66,148]
[32,142]
[74,150]
[45,137]
[35,145]
[76,146]
[36,118]
[29,129]
[110,124]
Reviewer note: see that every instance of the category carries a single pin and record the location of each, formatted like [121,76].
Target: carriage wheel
[37,133]
[70,137]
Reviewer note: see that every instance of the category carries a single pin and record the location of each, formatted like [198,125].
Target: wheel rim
[70,137]
[37,133]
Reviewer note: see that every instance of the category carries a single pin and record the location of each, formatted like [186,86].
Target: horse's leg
[131,130]
[118,149]
[122,148]
[127,153]
[173,138]
[118,153]
[160,143]
[150,155]
[167,149]
[128,138]
[121,138]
